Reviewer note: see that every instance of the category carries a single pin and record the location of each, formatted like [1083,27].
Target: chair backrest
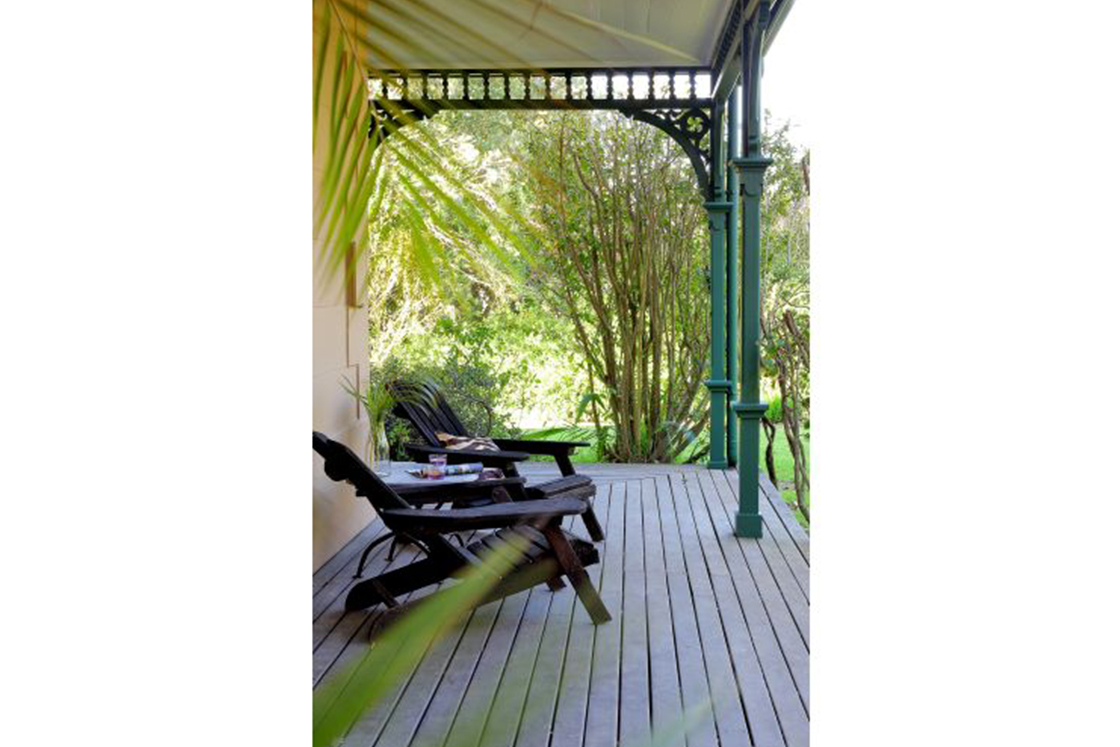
[342,464]
[423,405]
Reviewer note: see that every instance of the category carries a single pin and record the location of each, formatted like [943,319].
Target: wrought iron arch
[688,128]
[669,99]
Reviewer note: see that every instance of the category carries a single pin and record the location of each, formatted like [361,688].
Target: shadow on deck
[700,617]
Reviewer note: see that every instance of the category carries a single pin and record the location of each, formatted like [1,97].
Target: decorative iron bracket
[688,127]
[385,120]
[677,101]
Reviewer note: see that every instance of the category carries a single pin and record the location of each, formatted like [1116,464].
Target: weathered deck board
[796,599]
[344,557]
[634,695]
[666,701]
[570,718]
[690,658]
[535,727]
[606,661]
[794,648]
[750,679]
[500,729]
[701,618]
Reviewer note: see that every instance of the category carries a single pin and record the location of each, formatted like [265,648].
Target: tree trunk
[771,431]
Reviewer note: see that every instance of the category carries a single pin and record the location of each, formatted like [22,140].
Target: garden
[551,277]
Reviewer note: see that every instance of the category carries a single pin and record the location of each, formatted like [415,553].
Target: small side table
[422,491]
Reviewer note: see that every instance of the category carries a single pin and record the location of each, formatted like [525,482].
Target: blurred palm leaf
[352,168]
[352,44]
[344,697]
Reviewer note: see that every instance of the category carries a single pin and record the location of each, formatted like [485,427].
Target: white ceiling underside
[496,34]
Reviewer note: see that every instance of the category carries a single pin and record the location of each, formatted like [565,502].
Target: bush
[774,410]
[471,389]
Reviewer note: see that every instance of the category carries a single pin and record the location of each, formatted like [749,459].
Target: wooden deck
[708,629]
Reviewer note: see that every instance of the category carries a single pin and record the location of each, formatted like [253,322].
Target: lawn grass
[783,460]
[783,465]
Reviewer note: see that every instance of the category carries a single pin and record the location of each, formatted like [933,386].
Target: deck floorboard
[706,627]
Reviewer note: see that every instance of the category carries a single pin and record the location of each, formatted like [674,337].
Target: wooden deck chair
[552,553]
[424,406]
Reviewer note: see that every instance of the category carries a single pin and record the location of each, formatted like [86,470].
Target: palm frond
[340,701]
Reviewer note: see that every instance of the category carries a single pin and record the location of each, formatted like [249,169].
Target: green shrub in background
[487,336]
[774,410]
[468,387]
[503,370]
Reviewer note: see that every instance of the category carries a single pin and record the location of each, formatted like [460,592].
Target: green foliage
[376,401]
[774,409]
[417,181]
[621,256]
[490,328]
[785,342]
[499,369]
[479,331]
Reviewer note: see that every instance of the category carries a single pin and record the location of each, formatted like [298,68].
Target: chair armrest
[483,517]
[578,486]
[454,492]
[462,456]
[539,447]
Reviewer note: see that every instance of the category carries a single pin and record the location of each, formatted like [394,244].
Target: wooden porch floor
[704,623]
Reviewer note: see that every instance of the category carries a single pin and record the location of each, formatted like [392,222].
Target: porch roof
[555,34]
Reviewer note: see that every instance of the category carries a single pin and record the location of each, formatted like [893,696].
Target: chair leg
[556,583]
[564,462]
[368,550]
[573,569]
[377,590]
[594,529]
[592,602]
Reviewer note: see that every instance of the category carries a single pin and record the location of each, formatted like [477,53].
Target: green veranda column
[751,167]
[718,385]
[732,151]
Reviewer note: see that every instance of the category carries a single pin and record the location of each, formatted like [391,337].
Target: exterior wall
[340,335]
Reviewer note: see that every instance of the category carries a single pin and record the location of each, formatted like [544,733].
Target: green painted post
[749,408]
[732,151]
[718,385]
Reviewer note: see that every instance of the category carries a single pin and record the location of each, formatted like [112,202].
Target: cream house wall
[340,337]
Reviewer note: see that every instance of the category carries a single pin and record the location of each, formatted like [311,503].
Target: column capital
[750,410]
[751,163]
[718,385]
[751,170]
[718,211]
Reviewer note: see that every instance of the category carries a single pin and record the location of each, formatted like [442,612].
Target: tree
[785,302]
[622,254]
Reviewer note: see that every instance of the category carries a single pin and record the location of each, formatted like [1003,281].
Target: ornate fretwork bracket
[388,118]
[677,101]
[689,127]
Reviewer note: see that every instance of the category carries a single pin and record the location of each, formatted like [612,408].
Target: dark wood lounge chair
[474,494]
[424,406]
[551,554]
